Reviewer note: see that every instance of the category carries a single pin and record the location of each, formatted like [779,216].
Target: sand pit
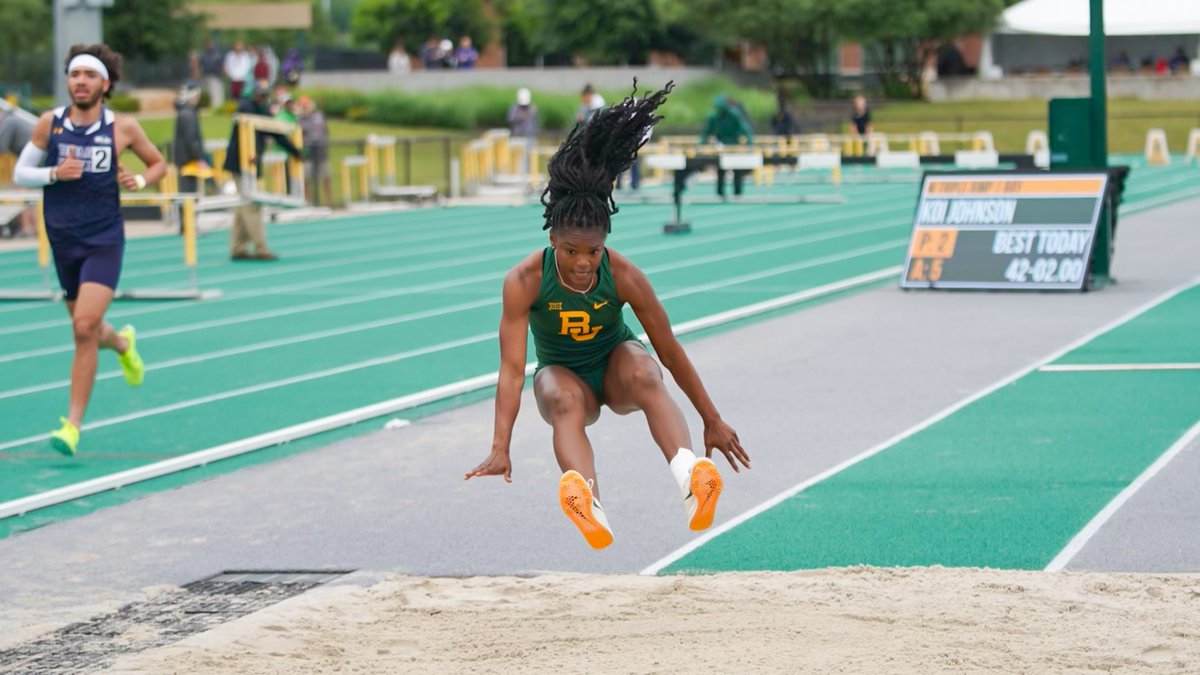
[854,620]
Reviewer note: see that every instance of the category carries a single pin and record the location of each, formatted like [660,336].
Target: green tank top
[573,330]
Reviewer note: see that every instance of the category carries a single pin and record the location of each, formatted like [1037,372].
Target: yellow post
[246,155]
[296,165]
[43,238]
[189,231]
[533,166]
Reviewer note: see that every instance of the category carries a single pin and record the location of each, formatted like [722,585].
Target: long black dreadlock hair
[595,153]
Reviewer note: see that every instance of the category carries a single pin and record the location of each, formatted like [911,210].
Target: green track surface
[1006,481]
[371,308]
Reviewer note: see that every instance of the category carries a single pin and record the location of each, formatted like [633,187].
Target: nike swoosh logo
[598,305]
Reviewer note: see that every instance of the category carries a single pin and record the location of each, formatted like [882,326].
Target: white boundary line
[733,221]
[25,504]
[657,566]
[1115,367]
[1081,539]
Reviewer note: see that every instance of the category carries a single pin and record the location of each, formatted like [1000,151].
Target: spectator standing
[523,126]
[316,152]
[590,101]
[188,147]
[239,68]
[262,67]
[466,55]
[729,126]
[211,64]
[1179,61]
[430,58]
[292,67]
[398,61]
[860,117]
[783,122]
[248,227]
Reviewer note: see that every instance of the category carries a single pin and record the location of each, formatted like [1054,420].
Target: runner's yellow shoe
[706,489]
[575,497]
[66,439]
[131,363]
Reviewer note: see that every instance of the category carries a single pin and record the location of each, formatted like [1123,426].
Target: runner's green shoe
[66,439]
[131,363]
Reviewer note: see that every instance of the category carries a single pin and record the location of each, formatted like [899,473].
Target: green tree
[798,35]
[27,45]
[903,35]
[152,30]
[379,22]
[613,32]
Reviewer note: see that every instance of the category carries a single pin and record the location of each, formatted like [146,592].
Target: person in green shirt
[570,295]
[727,123]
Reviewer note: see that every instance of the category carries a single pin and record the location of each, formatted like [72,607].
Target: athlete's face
[87,87]
[578,253]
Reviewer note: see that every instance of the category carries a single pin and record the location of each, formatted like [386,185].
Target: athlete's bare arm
[41,131]
[634,288]
[130,135]
[521,287]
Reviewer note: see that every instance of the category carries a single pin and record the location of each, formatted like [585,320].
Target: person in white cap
[523,126]
[72,156]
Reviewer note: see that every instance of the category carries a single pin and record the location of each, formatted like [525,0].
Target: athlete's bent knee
[643,381]
[561,403]
[87,328]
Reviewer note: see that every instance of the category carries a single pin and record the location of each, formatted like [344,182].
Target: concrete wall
[544,79]
[1145,87]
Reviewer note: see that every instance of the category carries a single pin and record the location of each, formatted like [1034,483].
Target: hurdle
[188,207]
[976,159]
[355,165]
[380,152]
[1156,148]
[292,167]
[822,161]
[1193,146]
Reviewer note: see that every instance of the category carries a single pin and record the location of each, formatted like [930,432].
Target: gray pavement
[806,391]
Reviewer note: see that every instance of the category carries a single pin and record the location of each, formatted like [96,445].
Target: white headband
[89,62]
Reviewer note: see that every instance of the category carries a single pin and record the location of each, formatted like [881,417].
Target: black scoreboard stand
[1072,146]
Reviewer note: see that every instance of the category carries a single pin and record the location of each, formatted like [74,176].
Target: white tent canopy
[1121,17]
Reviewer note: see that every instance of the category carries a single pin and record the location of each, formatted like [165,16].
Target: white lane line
[200,458]
[1085,535]
[436,348]
[733,220]
[679,553]
[267,386]
[1115,367]
[299,309]
[261,346]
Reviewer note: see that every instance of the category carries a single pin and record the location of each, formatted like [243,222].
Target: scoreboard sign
[1004,230]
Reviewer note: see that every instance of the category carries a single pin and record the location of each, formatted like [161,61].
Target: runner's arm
[29,171]
[141,146]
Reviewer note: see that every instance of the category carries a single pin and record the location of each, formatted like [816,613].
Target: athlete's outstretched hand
[721,436]
[71,167]
[496,464]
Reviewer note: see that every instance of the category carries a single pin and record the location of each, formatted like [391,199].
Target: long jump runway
[808,391]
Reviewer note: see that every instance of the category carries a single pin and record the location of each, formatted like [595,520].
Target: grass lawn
[1011,121]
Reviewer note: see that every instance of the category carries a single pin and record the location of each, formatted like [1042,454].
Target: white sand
[856,620]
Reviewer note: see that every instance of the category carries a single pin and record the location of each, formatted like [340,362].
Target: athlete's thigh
[624,364]
[560,383]
[93,300]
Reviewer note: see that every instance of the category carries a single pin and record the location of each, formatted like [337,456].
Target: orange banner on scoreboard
[1059,187]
